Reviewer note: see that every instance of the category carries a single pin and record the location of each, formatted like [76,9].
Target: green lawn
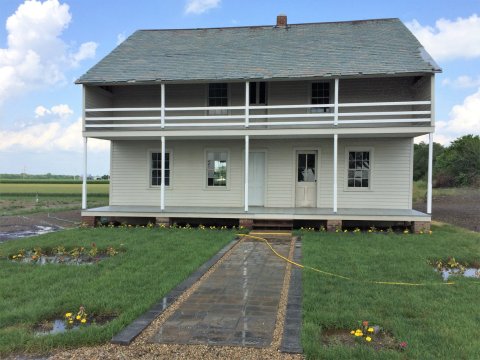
[420,191]
[154,262]
[437,321]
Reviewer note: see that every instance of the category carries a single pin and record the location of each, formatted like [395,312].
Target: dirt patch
[19,226]
[461,210]
[380,341]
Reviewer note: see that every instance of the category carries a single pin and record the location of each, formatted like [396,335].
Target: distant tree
[460,163]
[420,159]
[105,177]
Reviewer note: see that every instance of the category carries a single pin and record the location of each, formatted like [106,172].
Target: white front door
[256,178]
[306,179]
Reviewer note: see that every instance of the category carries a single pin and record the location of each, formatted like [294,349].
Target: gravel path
[142,349]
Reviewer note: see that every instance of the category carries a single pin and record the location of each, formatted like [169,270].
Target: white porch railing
[271,116]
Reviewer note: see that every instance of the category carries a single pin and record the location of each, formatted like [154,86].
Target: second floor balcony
[360,104]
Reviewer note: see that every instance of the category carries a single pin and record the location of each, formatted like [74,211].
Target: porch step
[266,224]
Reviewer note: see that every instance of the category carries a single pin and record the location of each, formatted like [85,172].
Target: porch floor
[257,212]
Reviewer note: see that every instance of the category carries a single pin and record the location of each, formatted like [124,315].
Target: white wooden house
[287,122]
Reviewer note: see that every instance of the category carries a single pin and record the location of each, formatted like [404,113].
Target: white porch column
[84,183]
[162,104]
[247,150]
[162,179]
[430,167]
[335,160]
[247,103]
[432,100]
[335,109]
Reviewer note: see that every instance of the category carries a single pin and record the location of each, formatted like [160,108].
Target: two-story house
[285,122]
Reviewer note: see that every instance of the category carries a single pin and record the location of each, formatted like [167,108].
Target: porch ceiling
[259,213]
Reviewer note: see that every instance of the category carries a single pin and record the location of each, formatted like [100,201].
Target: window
[359,169]
[218,96]
[320,96]
[306,167]
[156,169]
[217,168]
[258,93]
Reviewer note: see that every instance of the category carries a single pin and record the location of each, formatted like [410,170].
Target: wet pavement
[236,305]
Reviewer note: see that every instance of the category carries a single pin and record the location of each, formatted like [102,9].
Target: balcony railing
[264,116]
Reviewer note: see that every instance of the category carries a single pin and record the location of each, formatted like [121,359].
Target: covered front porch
[333,219]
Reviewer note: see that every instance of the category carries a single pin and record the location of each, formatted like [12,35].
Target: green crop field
[27,198]
[43,188]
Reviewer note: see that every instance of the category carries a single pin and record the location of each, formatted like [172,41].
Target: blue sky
[46,44]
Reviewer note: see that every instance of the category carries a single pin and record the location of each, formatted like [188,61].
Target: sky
[45,45]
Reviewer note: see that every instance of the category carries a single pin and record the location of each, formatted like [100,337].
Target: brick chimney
[282,20]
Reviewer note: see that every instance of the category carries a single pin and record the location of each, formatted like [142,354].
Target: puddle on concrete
[34,231]
[468,272]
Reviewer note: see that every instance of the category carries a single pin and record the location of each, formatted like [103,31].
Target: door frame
[296,149]
[265,192]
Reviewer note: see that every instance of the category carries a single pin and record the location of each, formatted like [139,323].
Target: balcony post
[247,150]
[84,182]
[247,103]
[432,100]
[162,104]
[335,109]
[430,166]
[162,179]
[335,160]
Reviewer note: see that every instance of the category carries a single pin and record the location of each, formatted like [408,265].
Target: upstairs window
[218,96]
[156,169]
[321,96]
[359,169]
[258,93]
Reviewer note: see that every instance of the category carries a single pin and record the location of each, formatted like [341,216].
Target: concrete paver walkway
[236,305]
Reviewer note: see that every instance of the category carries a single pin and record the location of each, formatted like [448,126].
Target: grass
[19,199]
[437,321]
[154,262]
[420,191]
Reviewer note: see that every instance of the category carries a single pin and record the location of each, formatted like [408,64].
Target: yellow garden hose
[332,274]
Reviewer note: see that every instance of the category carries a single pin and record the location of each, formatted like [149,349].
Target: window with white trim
[359,169]
[156,168]
[320,96]
[218,96]
[217,168]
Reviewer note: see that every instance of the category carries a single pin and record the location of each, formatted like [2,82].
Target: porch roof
[351,48]
[257,212]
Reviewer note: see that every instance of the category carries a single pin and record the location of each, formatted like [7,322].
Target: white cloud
[450,39]
[121,38]
[86,51]
[200,6]
[35,55]
[463,119]
[62,110]
[50,136]
[41,111]
[463,81]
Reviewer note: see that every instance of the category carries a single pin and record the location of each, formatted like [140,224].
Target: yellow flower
[68,315]
[352,332]
[84,321]
[70,321]
[78,317]
[370,329]
[368,338]
[358,333]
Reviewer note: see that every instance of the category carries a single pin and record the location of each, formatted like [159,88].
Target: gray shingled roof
[369,47]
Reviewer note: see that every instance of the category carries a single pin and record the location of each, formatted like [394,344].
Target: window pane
[358,183]
[300,174]
[311,161]
[253,93]
[351,164]
[351,156]
[350,183]
[365,183]
[262,96]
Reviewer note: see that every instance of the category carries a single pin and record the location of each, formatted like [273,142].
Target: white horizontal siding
[390,189]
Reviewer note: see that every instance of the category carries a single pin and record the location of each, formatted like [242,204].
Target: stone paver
[236,305]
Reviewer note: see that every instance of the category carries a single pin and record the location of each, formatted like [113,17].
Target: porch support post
[162,105]
[430,167]
[247,150]
[84,183]
[335,160]
[432,100]
[335,109]
[162,179]
[247,103]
